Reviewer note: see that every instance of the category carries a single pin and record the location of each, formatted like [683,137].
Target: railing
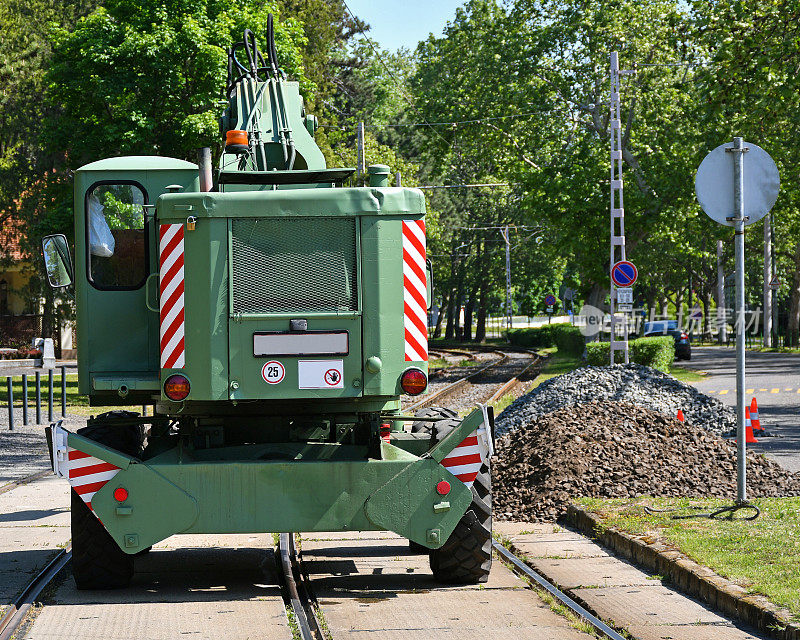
[37,387]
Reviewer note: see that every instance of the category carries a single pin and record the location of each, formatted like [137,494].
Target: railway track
[16,614]
[300,612]
[500,376]
[298,598]
[25,480]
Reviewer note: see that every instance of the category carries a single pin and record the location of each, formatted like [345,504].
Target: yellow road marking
[788,389]
[775,391]
[712,391]
[762,389]
[750,391]
[723,392]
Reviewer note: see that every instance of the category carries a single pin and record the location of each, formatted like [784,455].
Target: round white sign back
[714,183]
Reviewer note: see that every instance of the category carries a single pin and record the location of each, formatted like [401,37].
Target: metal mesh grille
[288,265]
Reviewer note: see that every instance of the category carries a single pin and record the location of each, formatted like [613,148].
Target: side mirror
[57,261]
[429,282]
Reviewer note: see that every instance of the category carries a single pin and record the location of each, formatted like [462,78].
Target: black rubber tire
[127,439]
[438,413]
[427,427]
[97,560]
[466,557]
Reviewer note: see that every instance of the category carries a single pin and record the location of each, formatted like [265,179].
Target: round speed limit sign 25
[273,372]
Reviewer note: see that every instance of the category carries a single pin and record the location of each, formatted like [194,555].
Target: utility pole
[398,179]
[617,210]
[722,316]
[361,160]
[505,233]
[767,280]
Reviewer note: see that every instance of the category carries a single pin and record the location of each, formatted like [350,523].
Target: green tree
[146,77]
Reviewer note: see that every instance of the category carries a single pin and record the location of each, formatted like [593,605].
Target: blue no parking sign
[624,273]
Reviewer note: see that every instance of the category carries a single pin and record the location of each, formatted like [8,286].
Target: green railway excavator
[273,318]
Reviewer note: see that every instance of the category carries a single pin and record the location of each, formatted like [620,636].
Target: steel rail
[307,623]
[23,481]
[454,386]
[513,381]
[524,569]
[15,615]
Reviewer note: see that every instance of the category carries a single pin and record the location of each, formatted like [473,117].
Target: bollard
[144,410]
[10,389]
[38,398]
[63,392]
[50,395]
[24,398]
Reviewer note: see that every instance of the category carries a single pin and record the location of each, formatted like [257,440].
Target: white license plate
[312,343]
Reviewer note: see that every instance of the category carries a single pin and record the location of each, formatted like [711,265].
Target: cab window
[117,240]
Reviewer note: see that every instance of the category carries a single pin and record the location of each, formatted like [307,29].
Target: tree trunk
[480,328]
[483,289]
[468,317]
[449,330]
[437,332]
[706,310]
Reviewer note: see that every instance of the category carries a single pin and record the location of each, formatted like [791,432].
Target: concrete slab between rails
[34,525]
[614,589]
[691,578]
[377,588]
[225,588]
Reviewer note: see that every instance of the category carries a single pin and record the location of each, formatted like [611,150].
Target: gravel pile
[619,450]
[642,386]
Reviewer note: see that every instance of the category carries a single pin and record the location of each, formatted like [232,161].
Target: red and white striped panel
[465,460]
[415,291]
[171,303]
[88,474]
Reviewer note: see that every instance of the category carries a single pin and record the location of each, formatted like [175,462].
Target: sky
[403,23]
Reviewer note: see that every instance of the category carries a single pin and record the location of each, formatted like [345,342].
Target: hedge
[570,340]
[536,338]
[658,352]
[563,335]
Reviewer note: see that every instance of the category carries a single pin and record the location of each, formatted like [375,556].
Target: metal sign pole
[721,318]
[767,279]
[714,185]
[738,151]
[617,213]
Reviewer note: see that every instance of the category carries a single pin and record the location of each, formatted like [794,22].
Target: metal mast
[509,311]
[617,213]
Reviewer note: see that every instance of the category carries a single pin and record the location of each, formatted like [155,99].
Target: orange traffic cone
[749,438]
[754,419]
[680,416]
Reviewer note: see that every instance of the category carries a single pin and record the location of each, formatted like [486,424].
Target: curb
[689,577]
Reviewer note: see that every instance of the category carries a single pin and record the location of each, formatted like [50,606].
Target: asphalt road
[774,380]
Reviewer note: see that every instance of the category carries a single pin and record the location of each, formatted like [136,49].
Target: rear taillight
[177,387]
[684,336]
[413,382]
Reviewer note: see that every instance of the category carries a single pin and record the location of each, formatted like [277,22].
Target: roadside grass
[556,365]
[502,404]
[762,555]
[687,375]
[775,349]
